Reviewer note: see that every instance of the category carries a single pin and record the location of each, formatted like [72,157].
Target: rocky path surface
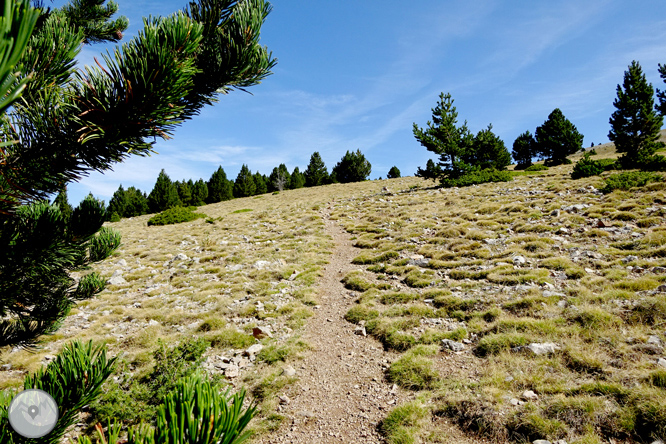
[342,393]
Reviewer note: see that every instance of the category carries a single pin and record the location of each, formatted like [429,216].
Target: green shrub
[115,217]
[536,167]
[414,369]
[175,215]
[628,180]
[478,177]
[587,167]
[133,400]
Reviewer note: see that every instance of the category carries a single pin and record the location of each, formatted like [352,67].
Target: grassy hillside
[460,281]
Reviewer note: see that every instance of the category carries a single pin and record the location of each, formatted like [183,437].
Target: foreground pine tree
[635,124]
[68,123]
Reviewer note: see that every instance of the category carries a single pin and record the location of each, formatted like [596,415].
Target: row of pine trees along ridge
[131,202]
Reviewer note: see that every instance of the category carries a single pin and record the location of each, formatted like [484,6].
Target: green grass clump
[398,298]
[175,215]
[398,426]
[594,318]
[367,259]
[360,313]
[414,370]
[354,281]
[229,338]
[650,311]
[275,353]
[629,179]
[493,344]
[244,210]
[418,279]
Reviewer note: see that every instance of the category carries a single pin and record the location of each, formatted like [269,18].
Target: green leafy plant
[174,215]
[195,412]
[536,167]
[587,167]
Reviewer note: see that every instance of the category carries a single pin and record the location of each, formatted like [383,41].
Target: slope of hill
[533,309]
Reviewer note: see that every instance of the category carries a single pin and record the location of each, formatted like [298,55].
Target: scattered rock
[529,395]
[518,261]
[630,258]
[656,340]
[419,262]
[293,275]
[661,362]
[545,348]
[360,330]
[452,345]
[234,267]
[116,278]
[516,401]
[662,288]
[262,332]
[254,349]
[260,265]
[122,263]
[541,441]
[232,371]
[6,367]
[288,371]
[180,257]
[555,213]
[284,399]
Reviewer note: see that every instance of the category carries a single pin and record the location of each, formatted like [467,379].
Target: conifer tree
[353,167]
[316,173]
[635,124]
[137,203]
[118,203]
[219,187]
[393,173]
[297,179]
[661,95]
[557,138]
[524,149]
[259,183]
[487,151]
[431,171]
[199,193]
[244,185]
[445,138]
[184,193]
[164,194]
[62,202]
[279,178]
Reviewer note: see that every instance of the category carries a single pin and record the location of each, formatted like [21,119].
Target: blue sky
[357,74]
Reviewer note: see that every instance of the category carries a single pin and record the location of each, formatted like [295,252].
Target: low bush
[175,215]
[629,179]
[536,167]
[478,177]
[587,167]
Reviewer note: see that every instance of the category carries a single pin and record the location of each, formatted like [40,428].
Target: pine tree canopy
[297,179]
[164,194]
[524,149]
[316,173]
[557,138]
[219,187]
[244,185]
[393,173]
[635,124]
[661,106]
[353,167]
[460,152]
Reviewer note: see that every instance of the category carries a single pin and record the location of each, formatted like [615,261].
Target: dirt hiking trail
[342,393]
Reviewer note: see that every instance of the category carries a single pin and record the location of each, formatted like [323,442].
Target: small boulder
[254,349]
[661,362]
[452,345]
[180,257]
[262,332]
[529,395]
[232,371]
[360,330]
[122,263]
[545,348]
[288,371]
[519,260]
[260,265]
